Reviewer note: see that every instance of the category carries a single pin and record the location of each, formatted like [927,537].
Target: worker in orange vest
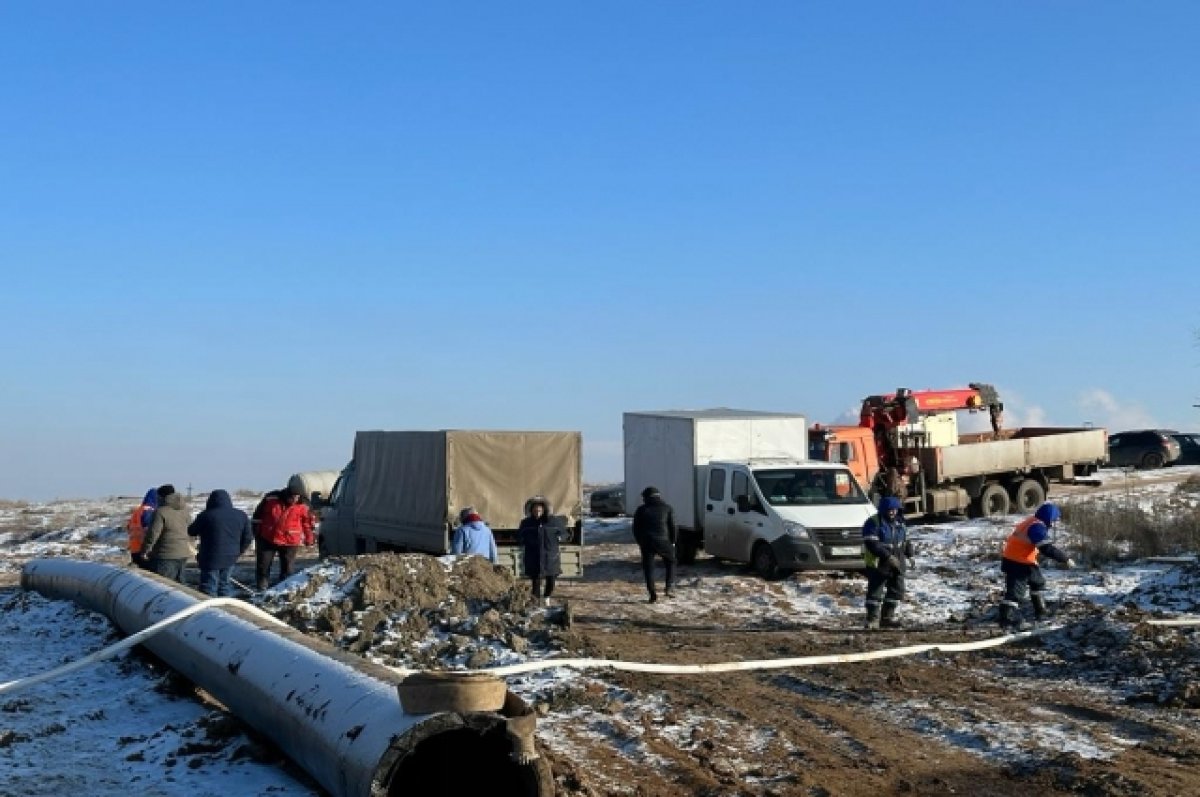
[139,521]
[1019,564]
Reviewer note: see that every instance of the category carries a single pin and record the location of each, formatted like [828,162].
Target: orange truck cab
[853,446]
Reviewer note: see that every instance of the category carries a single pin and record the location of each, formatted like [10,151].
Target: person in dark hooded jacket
[541,536]
[224,534]
[655,533]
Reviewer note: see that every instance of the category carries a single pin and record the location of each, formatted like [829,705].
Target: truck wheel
[763,561]
[993,501]
[1152,461]
[1028,496]
[685,552]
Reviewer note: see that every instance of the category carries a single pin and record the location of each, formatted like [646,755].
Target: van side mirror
[743,504]
[316,500]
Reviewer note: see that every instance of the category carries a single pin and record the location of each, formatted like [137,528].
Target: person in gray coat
[541,535]
[166,545]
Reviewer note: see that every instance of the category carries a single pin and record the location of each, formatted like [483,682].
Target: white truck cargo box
[663,449]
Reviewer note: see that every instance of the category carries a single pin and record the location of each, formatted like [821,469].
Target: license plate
[845,550]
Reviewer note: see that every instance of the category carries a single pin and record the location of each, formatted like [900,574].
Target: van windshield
[808,487]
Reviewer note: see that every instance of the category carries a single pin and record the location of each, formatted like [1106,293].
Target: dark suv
[1142,448]
[608,501]
[1189,447]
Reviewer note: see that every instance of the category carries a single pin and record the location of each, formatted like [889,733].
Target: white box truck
[743,489]
[403,491]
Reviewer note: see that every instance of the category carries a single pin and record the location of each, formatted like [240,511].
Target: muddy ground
[932,724]
[1104,705]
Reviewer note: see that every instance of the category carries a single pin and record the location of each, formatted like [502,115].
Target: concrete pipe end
[456,753]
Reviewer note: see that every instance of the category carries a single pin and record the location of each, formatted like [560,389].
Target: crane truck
[908,444]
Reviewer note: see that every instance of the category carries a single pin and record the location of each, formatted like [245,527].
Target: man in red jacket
[285,523]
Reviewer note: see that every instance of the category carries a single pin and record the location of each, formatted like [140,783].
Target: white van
[782,515]
[743,488]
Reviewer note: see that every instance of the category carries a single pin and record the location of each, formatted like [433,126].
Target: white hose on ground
[1182,621]
[20,684]
[742,666]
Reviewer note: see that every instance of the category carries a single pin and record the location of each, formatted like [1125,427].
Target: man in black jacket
[654,531]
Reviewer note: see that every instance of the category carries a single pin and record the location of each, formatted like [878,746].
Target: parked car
[608,501]
[1142,448]
[1189,448]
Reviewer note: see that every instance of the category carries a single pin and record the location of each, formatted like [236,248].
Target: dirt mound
[421,612]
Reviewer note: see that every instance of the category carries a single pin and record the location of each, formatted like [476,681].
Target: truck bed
[1017,450]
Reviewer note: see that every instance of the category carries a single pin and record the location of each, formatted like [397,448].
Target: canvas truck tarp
[496,472]
[420,480]
[401,479]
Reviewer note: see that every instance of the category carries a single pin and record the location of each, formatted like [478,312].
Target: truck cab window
[808,486]
[740,488]
[716,485]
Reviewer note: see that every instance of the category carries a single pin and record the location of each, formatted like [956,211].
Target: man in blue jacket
[474,537]
[886,548]
[224,534]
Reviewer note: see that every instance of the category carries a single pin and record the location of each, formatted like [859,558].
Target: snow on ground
[112,728]
[114,725]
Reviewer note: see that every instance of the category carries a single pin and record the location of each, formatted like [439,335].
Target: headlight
[794,529]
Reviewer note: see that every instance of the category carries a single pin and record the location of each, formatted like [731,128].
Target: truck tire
[993,501]
[1028,496]
[764,562]
[1152,461]
[685,552]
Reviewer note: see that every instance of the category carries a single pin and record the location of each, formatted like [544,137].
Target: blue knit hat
[1047,513]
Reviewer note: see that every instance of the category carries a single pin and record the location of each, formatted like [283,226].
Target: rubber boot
[888,618]
[872,616]
[1039,607]
[1010,620]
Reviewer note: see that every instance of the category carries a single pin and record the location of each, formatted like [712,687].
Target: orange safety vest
[1018,548]
[137,533]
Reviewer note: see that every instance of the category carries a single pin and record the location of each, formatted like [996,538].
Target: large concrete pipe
[338,716]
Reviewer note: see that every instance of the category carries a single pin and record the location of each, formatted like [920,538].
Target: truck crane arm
[906,406]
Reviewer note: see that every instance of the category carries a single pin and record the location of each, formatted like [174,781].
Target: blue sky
[234,233]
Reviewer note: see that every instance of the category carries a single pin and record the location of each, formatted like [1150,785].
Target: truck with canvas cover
[743,489]
[403,491]
[908,444]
